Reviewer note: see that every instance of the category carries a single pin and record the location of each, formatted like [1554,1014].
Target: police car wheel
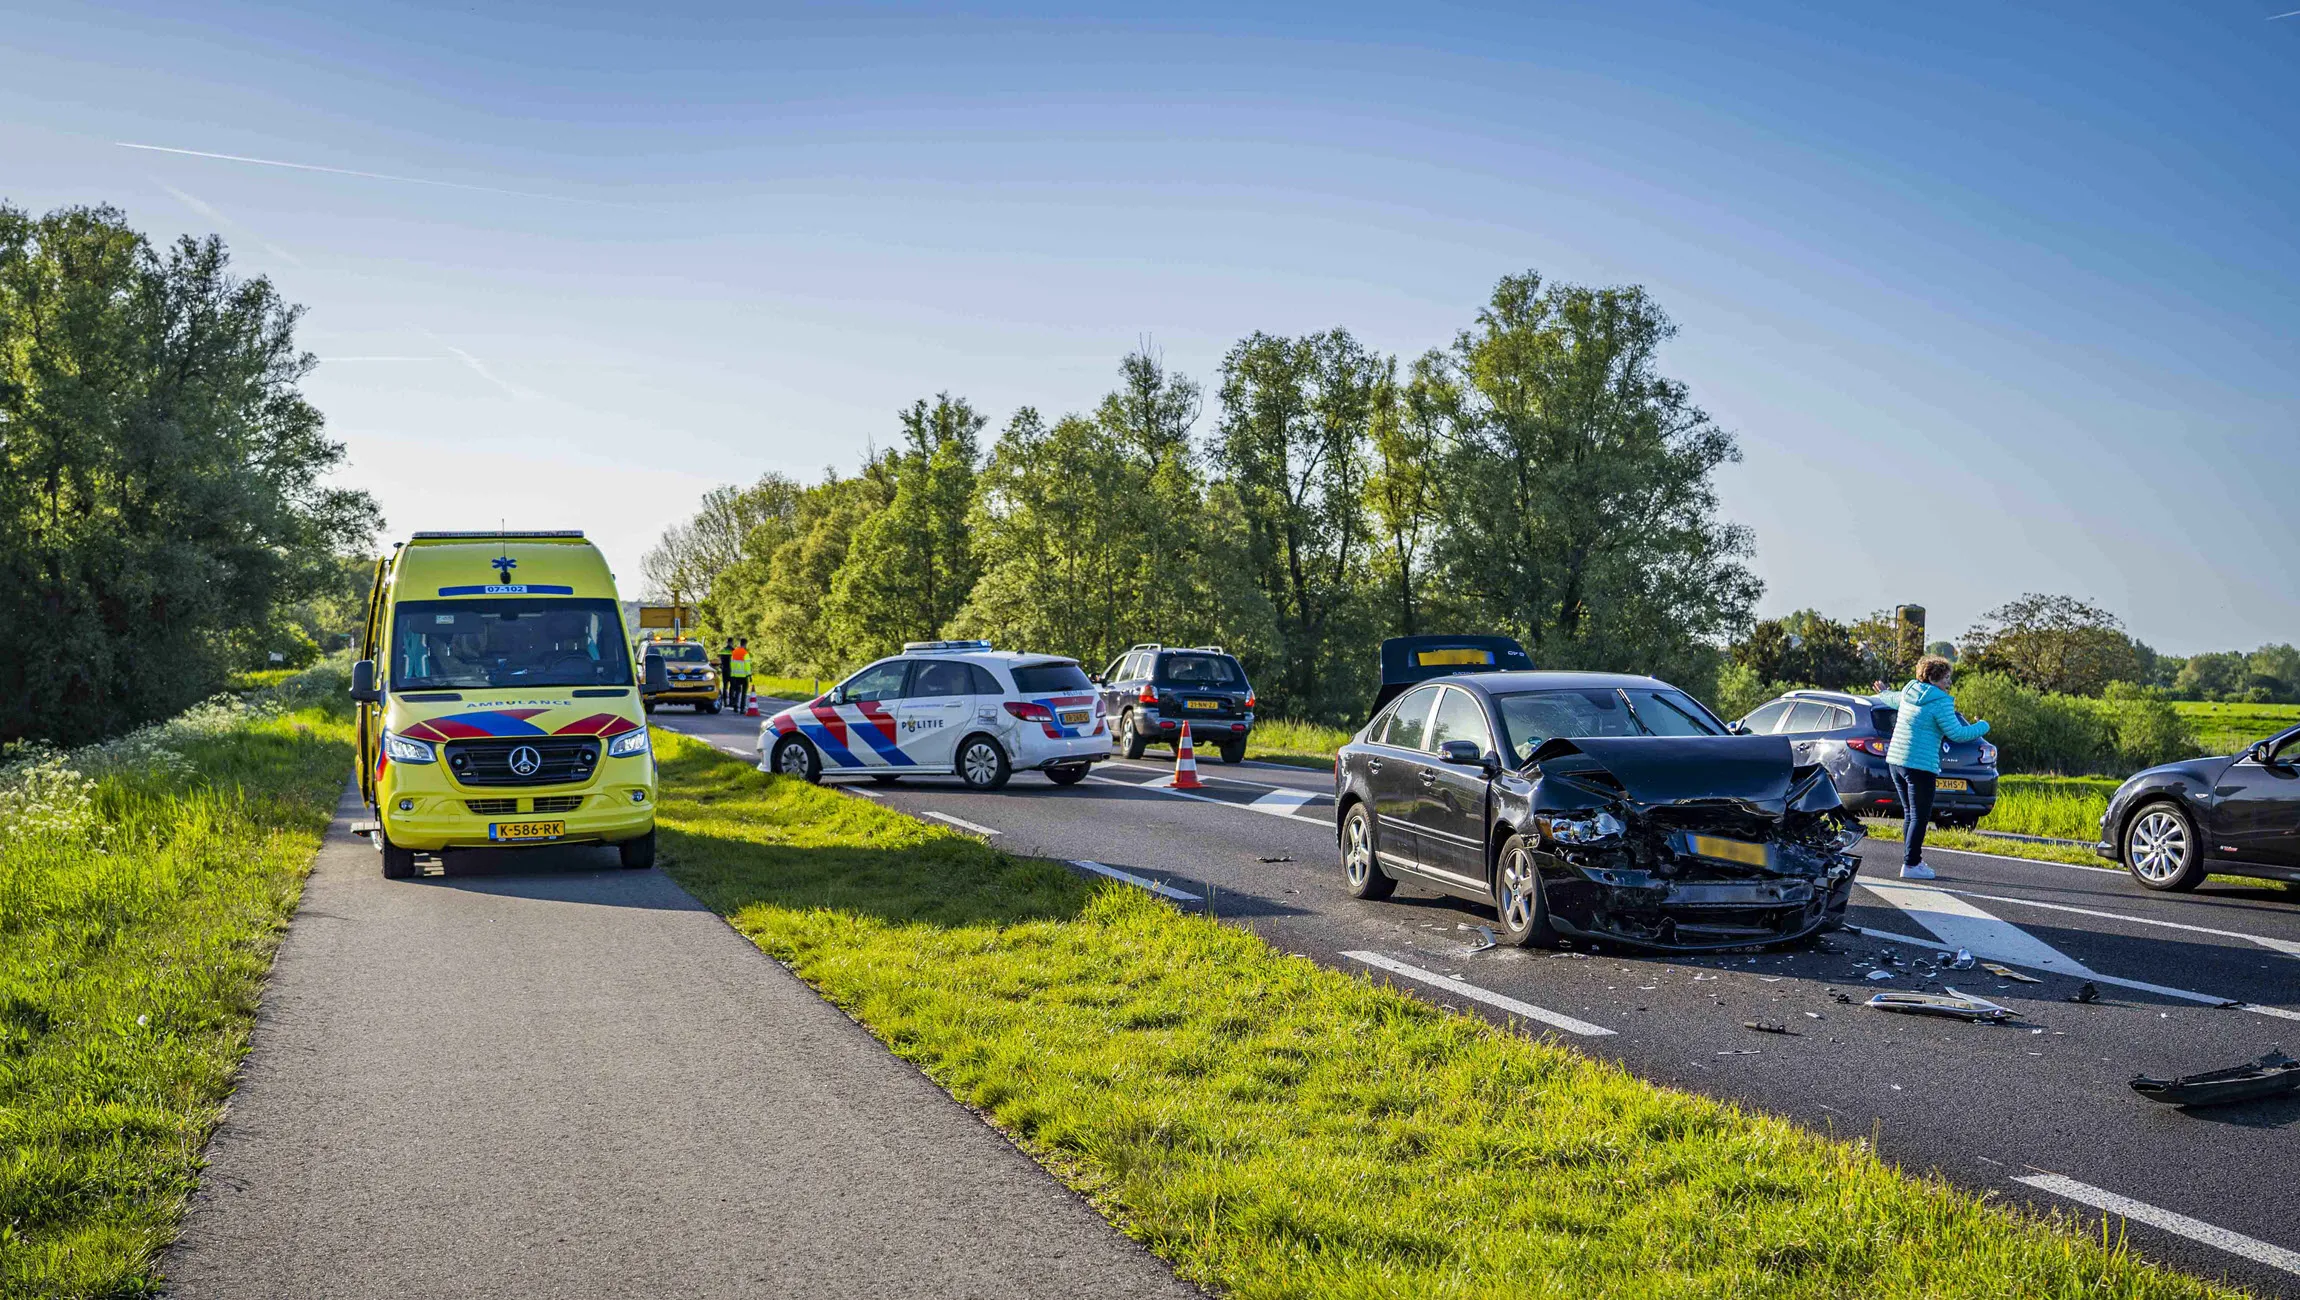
[1130,741]
[1066,775]
[795,757]
[982,764]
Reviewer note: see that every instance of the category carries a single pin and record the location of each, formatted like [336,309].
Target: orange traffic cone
[1185,764]
[750,706]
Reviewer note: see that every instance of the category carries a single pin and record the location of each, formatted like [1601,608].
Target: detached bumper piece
[1954,1005]
[2272,1075]
[1631,907]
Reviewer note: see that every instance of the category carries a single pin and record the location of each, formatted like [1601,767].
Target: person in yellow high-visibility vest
[739,676]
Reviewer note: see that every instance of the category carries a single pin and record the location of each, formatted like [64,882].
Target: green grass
[2228,728]
[143,887]
[789,688]
[259,678]
[1300,744]
[2063,807]
[1274,1129]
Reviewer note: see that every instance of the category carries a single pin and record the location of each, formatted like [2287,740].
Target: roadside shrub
[2036,732]
[2147,729]
[1740,689]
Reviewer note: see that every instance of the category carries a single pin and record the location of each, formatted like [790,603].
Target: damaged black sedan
[1596,806]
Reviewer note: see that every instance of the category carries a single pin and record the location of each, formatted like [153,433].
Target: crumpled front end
[1764,857]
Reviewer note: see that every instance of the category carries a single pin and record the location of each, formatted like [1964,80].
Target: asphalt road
[2045,1098]
[540,1076]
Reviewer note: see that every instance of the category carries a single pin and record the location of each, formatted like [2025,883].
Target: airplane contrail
[347,171]
[2293,14]
[208,210]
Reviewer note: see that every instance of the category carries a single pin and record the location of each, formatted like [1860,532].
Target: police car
[944,707]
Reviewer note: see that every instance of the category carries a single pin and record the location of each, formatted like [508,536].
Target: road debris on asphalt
[1880,974]
[2272,1075]
[1768,1027]
[2008,973]
[1962,961]
[1485,939]
[1955,1005]
[2086,992]
[1280,858]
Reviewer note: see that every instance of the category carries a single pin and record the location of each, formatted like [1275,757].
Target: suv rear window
[1199,670]
[1047,678]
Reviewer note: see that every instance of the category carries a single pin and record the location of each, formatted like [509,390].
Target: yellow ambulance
[498,705]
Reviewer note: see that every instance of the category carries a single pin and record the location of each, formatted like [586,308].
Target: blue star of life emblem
[504,564]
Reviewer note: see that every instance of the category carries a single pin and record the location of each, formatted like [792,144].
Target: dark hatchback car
[2171,826]
[1849,735]
[1596,805]
[1151,690]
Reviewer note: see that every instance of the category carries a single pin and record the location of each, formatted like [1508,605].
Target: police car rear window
[1199,670]
[1045,679]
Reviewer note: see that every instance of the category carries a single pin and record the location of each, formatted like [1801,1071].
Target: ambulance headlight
[627,744]
[399,749]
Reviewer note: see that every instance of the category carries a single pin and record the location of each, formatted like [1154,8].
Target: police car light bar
[931,647]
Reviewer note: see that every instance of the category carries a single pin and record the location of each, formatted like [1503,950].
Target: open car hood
[1759,771]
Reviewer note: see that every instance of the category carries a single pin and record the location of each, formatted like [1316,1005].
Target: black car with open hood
[1593,805]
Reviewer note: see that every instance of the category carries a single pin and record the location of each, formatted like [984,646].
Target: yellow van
[497,703]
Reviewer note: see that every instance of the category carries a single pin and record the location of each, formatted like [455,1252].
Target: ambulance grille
[559,760]
[559,803]
[492,807]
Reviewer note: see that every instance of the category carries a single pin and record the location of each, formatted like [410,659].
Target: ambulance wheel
[795,757]
[886,778]
[1234,752]
[982,764]
[1130,742]
[398,863]
[638,854]
[1066,775]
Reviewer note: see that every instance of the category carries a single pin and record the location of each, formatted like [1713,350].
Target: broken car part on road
[1955,1005]
[2272,1075]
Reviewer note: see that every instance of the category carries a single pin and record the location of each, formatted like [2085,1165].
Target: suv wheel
[795,757]
[1131,742]
[1233,752]
[2160,849]
[982,764]
[1362,872]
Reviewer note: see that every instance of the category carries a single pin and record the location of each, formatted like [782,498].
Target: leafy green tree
[1402,491]
[785,613]
[1296,419]
[2052,644]
[2276,669]
[2214,675]
[1805,647]
[910,567]
[1582,508]
[162,480]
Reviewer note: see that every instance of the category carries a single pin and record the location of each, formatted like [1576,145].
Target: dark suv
[1151,690]
[1850,734]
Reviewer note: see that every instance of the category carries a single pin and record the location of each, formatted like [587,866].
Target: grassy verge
[789,688]
[1276,1129]
[1298,744]
[143,886]
[2228,728]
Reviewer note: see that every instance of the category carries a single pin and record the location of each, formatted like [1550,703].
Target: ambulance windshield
[508,643]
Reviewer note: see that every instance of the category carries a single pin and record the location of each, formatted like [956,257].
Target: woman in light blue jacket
[1928,720]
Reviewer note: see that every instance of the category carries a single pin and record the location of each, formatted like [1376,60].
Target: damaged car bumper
[1688,912]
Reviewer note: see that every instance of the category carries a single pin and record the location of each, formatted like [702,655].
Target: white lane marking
[867,794]
[2286,946]
[1201,798]
[2235,1243]
[1139,882]
[1555,1019]
[1281,802]
[1962,925]
[2141,986]
[959,822]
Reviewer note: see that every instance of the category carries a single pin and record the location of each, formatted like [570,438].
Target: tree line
[1539,476]
[163,515]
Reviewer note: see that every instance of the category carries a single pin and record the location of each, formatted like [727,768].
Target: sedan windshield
[508,643]
[1533,717]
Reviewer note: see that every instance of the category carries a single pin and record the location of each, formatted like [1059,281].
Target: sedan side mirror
[658,678]
[1462,752]
[1097,680]
[363,682]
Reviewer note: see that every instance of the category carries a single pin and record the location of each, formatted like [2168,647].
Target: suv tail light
[1149,694]
[1249,701]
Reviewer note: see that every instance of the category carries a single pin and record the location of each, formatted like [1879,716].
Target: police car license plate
[1201,704]
[1953,783]
[526,830]
[1076,717]
[1742,851]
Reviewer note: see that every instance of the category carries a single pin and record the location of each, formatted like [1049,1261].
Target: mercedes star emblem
[526,761]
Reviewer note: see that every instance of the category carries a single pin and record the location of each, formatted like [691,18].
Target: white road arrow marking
[1281,802]
[1959,924]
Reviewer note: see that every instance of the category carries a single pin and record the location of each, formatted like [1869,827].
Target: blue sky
[1997,298]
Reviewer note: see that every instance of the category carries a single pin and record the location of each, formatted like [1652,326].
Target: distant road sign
[672,616]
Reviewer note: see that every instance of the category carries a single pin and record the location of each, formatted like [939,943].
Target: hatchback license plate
[526,830]
[1742,851]
[1958,784]
[1075,717]
[1201,704]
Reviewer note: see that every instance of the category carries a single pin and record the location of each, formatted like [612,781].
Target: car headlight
[399,749]
[1583,828]
[627,744]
